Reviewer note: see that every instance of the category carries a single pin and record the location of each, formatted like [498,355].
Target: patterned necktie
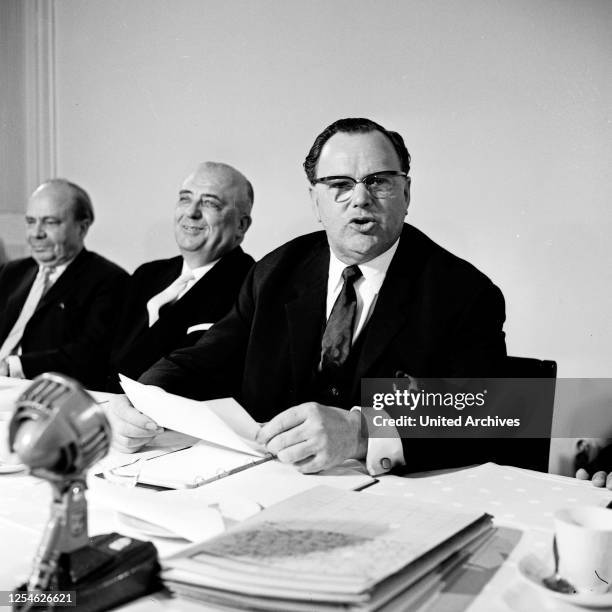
[39,287]
[168,295]
[338,334]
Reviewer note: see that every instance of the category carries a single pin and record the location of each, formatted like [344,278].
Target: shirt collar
[56,271]
[374,271]
[199,272]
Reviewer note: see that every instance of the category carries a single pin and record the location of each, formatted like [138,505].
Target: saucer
[534,569]
[8,467]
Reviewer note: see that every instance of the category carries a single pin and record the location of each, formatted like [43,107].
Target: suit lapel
[306,314]
[17,299]
[395,300]
[66,283]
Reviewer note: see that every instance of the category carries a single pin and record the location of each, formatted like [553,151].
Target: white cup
[4,445]
[584,542]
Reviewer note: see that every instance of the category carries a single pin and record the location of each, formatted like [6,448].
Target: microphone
[58,431]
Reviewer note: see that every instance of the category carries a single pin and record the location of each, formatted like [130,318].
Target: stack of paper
[327,549]
[227,447]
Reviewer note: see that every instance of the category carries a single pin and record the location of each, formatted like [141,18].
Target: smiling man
[171,302]
[58,306]
[370,296]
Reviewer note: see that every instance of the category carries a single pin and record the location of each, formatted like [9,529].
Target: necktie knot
[183,280]
[46,274]
[351,273]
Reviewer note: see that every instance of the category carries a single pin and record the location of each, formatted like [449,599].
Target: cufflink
[385,463]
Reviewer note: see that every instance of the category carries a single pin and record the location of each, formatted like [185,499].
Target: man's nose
[36,230]
[194,209]
[361,195]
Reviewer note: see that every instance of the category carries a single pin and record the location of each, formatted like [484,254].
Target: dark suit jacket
[70,329]
[138,346]
[436,316]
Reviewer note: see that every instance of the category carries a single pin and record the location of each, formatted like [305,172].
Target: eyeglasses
[379,184]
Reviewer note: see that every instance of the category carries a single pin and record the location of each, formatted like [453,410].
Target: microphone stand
[58,431]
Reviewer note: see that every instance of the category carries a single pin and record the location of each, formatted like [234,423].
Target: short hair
[353,126]
[82,208]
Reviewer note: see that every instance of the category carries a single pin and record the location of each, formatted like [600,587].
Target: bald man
[172,302]
[58,306]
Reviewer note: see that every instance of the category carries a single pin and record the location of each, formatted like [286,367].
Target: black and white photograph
[306,305]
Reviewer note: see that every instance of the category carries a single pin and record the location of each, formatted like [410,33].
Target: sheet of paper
[205,420]
[194,466]
[188,518]
[167,442]
[273,481]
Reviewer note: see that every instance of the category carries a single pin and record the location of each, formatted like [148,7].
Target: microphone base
[111,570]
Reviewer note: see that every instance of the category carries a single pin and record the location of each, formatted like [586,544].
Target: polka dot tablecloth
[513,496]
[522,503]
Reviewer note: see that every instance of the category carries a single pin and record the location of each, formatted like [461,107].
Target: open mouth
[363,224]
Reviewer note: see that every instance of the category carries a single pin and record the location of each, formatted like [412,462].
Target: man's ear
[314,198]
[244,223]
[84,225]
[407,193]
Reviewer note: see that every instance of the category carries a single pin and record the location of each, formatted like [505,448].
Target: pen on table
[609,505]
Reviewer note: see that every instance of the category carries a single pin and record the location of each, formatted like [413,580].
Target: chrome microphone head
[57,429]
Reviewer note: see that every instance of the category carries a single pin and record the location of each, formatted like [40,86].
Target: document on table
[193,467]
[227,448]
[223,422]
[332,548]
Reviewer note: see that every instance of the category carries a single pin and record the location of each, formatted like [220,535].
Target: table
[521,501]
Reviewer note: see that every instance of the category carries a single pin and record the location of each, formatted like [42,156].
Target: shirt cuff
[383,454]
[14,367]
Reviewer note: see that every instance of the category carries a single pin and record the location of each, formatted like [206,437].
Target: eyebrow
[205,195]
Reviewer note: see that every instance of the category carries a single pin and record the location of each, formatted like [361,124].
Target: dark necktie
[338,334]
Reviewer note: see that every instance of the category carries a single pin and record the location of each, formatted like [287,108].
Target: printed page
[343,541]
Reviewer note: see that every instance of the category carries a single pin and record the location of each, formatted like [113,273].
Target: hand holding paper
[131,429]
[223,421]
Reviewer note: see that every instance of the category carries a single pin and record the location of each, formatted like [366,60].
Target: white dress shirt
[15,369]
[382,453]
[198,273]
[176,289]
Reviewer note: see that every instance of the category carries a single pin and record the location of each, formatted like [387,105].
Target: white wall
[505,105]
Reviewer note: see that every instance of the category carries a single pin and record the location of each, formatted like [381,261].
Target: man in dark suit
[212,215]
[369,297]
[57,308]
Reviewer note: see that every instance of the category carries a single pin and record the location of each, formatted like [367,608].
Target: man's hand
[314,437]
[131,429]
[600,479]
[4,370]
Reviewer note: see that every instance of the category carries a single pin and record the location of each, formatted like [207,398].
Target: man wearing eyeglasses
[369,297]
